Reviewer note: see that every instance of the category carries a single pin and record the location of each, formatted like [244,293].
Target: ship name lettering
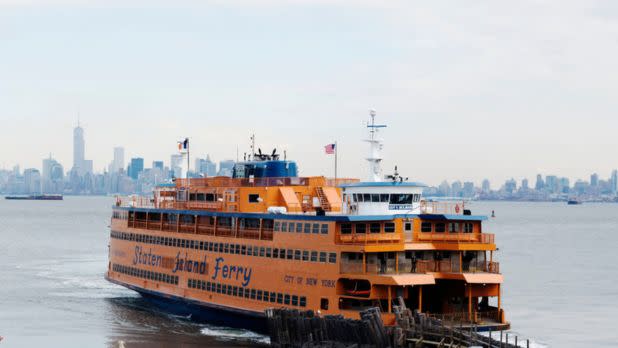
[146,258]
[232,272]
[190,266]
[328,283]
[311,281]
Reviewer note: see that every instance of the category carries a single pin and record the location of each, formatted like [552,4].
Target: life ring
[457,208]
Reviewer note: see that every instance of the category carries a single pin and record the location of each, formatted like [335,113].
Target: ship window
[324,229]
[366,197]
[296,254]
[305,255]
[468,227]
[269,252]
[384,197]
[425,226]
[237,251]
[262,250]
[276,226]
[314,256]
[273,297]
[259,295]
[275,253]
[289,254]
[226,248]
[375,198]
[255,251]
[282,254]
[324,304]
[254,198]
[253,294]
[346,228]
[389,227]
[291,227]
[332,257]
[303,301]
[360,228]
[374,227]
[401,198]
[299,227]
[316,228]
[407,226]
[241,292]
[192,196]
[307,228]
[284,226]
[247,293]
[453,227]
[322,256]
[235,290]
[229,290]
[243,250]
[358,197]
[440,227]
[294,300]
[279,297]
[286,299]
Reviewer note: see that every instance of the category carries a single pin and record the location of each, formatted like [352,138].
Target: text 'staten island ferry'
[225,249]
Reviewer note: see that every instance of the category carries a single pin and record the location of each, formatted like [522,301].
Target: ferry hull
[202,312]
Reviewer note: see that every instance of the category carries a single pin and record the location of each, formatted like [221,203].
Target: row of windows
[299,227]
[374,227]
[453,227]
[394,198]
[142,273]
[238,291]
[119,214]
[230,248]
[205,197]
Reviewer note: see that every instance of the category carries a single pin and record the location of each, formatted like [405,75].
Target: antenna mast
[375,149]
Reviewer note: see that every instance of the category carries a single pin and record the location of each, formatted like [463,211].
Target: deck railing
[446,237]
[491,315]
[369,238]
[419,266]
[450,208]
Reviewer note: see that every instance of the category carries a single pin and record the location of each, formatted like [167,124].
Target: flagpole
[188,163]
[336,150]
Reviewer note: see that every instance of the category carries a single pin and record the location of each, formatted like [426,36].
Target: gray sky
[469,89]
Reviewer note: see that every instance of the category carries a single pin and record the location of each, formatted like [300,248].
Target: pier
[306,329]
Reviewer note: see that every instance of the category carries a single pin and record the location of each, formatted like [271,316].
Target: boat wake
[231,334]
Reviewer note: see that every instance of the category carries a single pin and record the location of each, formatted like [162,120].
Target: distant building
[225,167]
[136,167]
[205,167]
[524,184]
[510,186]
[552,184]
[540,184]
[486,186]
[176,166]
[32,181]
[594,180]
[468,189]
[614,182]
[565,185]
[456,189]
[118,162]
[158,165]
[52,176]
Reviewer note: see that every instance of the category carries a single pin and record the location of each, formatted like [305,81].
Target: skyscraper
[524,184]
[614,181]
[594,180]
[540,184]
[52,176]
[486,186]
[136,167]
[118,162]
[78,149]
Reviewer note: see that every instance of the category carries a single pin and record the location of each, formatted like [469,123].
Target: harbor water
[559,262]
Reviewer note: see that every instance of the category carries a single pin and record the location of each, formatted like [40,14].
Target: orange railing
[369,238]
[491,315]
[419,266]
[223,181]
[451,208]
[483,238]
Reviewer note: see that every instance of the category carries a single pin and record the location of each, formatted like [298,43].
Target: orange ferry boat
[225,249]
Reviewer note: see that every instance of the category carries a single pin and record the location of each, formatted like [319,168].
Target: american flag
[329,149]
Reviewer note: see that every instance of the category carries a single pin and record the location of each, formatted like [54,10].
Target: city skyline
[465,96]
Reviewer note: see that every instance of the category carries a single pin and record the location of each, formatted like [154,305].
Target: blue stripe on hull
[203,312]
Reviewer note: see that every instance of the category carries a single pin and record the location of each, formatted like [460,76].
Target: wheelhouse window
[346,228]
[425,226]
[440,227]
[389,227]
[400,198]
[453,227]
[468,227]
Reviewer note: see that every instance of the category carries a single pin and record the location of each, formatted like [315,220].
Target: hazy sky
[469,89]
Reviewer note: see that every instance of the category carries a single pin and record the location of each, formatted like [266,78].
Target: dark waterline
[559,264]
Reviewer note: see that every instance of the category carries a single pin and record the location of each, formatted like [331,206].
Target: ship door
[231,201]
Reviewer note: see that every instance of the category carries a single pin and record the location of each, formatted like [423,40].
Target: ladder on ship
[324,203]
